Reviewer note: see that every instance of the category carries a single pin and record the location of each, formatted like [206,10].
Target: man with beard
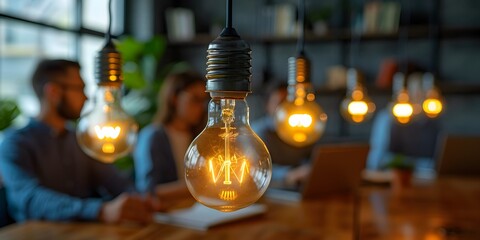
[47,176]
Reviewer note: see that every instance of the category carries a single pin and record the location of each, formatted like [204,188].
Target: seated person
[416,140]
[161,147]
[46,174]
[290,163]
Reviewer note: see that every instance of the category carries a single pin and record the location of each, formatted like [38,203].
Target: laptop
[334,169]
[459,156]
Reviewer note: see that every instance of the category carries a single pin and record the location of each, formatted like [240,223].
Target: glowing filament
[228,195]
[300,120]
[432,107]
[228,167]
[108,148]
[299,137]
[107,132]
[228,164]
[402,110]
[357,108]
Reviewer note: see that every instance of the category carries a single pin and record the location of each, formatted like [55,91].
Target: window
[33,30]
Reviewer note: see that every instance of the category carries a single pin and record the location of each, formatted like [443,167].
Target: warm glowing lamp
[433,104]
[227,166]
[356,107]
[107,132]
[299,120]
[402,108]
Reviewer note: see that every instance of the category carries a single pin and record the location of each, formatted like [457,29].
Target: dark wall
[455,57]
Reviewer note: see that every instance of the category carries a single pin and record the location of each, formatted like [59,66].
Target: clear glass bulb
[357,107]
[106,132]
[402,109]
[227,166]
[299,120]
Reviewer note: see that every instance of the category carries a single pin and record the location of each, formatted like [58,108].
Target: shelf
[414,32]
[445,89]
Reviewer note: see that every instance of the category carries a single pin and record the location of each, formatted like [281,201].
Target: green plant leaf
[8,112]
[130,48]
[156,46]
[133,78]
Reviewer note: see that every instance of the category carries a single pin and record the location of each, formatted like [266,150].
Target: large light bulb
[227,167]
[402,109]
[106,132]
[356,107]
[299,120]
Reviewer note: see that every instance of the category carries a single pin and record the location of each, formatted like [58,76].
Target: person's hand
[171,195]
[126,208]
[297,175]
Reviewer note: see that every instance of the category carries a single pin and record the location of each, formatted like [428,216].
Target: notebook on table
[334,169]
[200,217]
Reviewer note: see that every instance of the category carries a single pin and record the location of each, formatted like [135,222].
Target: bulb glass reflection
[300,121]
[227,167]
[106,132]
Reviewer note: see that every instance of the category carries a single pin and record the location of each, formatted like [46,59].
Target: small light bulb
[356,107]
[402,109]
[300,125]
[106,132]
[227,167]
[299,120]
[432,107]
[433,103]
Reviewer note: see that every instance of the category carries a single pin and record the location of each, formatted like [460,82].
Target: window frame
[78,30]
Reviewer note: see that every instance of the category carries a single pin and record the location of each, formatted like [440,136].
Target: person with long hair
[161,147]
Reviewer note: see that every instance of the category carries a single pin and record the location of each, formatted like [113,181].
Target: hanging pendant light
[433,103]
[299,120]
[227,166]
[402,108]
[107,132]
[357,106]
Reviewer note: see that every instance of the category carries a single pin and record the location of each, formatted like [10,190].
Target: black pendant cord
[108,35]
[354,47]
[108,67]
[301,33]
[403,39]
[229,14]
[229,30]
[433,36]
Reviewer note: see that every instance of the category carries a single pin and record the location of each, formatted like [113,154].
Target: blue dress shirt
[284,156]
[47,176]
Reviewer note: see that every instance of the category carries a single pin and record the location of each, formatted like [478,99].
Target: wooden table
[445,209]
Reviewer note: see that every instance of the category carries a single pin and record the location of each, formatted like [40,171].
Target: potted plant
[401,172]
